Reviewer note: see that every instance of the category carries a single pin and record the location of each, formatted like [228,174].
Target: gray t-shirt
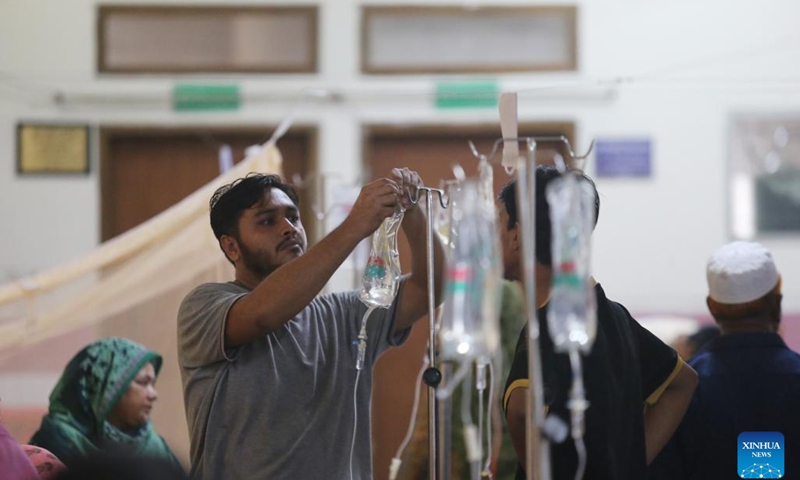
[280,407]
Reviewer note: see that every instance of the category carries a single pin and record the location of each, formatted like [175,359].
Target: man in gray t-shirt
[268,367]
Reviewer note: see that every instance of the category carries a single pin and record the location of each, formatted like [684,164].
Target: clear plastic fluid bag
[470,316]
[382,274]
[572,309]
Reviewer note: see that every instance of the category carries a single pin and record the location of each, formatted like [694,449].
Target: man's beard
[255,262]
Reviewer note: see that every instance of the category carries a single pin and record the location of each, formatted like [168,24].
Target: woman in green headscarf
[102,404]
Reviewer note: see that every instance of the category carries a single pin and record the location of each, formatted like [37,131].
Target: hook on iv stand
[444,201]
[555,138]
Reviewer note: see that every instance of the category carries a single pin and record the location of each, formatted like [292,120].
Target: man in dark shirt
[637,387]
[749,378]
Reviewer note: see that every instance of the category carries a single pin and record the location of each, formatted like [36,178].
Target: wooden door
[432,152]
[145,171]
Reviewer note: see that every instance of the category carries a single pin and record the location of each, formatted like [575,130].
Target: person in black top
[749,378]
[637,387]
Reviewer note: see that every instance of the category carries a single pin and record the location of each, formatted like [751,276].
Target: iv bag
[470,316]
[572,308]
[382,274]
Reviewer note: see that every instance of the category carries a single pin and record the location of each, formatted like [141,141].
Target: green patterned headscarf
[95,379]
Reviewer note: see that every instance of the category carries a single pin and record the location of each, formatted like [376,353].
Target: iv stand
[432,376]
[538,445]
[538,450]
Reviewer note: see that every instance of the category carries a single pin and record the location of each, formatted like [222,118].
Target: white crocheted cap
[740,272]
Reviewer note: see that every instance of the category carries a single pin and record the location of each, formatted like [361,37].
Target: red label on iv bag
[376,267]
[457,277]
[567,267]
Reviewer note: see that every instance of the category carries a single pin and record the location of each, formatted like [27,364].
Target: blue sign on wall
[623,158]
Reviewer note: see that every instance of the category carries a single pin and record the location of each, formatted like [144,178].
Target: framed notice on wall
[52,149]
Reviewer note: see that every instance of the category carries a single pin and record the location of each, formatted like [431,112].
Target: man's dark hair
[544,175]
[229,201]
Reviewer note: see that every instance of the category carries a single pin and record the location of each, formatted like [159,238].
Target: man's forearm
[515,418]
[663,418]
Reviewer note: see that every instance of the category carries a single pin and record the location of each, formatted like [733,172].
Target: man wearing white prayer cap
[744,288]
[749,385]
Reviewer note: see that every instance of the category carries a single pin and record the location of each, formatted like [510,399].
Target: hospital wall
[670,72]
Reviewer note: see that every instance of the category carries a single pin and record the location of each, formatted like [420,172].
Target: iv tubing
[580,448]
[397,460]
[362,341]
[471,439]
[447,389]
[362,347]
[480,384]
[489,412]
[355,423]
[577,406]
